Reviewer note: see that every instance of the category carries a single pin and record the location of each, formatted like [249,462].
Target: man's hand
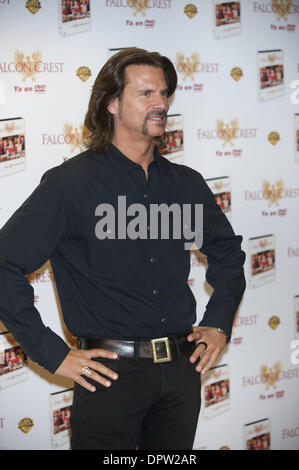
[215,342]
[75,361]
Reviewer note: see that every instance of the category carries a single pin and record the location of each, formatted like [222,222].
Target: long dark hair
[109,84]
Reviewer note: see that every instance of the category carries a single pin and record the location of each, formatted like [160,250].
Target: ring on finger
[85,371]
[204,343]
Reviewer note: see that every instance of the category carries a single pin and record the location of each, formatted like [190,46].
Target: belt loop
[177,347]
[79,343]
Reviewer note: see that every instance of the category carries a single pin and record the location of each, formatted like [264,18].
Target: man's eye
[147,93]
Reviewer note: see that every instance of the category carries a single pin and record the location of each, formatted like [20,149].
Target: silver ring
[85,371]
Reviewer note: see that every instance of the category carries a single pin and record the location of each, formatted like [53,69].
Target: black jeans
[152,406]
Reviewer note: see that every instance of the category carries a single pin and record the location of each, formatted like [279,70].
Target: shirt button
[153,259]
[145,195]
[163,320]
[155,291]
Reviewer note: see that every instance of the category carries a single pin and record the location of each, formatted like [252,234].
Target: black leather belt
[159,349]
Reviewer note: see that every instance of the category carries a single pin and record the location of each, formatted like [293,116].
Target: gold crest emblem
[270,375]
[67,398]
[272,57]
[258,428]
[74,137]
[274,322]
[216,374]
[27,66]
[9,127]
[170,123]
[272,192]
[190,10]
[25,425]
[186,66]
[263,243]
[227,132]
[218,185]
[224,448]
[236,73]
[274,137]
[282,8]
[33,6]
[83,73]
[139,6]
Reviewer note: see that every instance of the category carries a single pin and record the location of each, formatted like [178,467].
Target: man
[125,297]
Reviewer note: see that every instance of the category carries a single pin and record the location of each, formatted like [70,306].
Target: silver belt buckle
[164,355]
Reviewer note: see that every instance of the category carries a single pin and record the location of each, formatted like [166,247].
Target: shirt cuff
[51,350]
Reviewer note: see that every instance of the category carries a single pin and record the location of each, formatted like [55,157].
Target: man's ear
[113,106]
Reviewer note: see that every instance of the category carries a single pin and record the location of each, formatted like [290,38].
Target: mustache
[160,113]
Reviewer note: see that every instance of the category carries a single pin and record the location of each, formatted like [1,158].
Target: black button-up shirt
[113,288]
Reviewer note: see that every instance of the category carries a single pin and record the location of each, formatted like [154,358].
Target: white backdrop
[237,121]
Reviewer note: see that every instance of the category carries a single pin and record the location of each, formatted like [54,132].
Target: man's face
[141,111]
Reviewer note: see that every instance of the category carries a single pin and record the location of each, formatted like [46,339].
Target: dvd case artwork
[270,74]
[257,435]
[262,260]
[60,414]
[226,19]
[12,146]
[74,16]
[221,188]
[171,144]
[13,361]
[216,391]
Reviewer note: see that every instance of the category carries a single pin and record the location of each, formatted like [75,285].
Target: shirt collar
[126,163]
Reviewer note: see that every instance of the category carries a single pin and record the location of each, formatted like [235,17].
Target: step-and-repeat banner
[235,119]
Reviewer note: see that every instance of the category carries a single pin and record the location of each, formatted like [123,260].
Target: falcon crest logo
[272,57]
[139,6]
[270,375]
[74,136]
[67,397]
[27,65]
[218,185]
[9,127]
[227,132]
[170,123]
[187,66]
[258,428]
[272,192]
[216,374]
[282,8]
[263,243]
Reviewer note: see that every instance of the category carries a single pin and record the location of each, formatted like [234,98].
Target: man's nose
[161,102]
